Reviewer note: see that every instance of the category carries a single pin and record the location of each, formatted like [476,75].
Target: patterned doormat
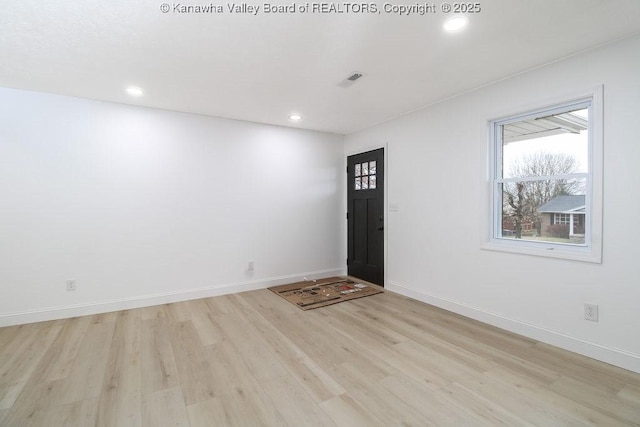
[323,292]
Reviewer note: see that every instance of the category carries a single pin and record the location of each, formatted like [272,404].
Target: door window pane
[365,176]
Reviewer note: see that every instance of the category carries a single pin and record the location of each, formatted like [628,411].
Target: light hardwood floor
[253,359]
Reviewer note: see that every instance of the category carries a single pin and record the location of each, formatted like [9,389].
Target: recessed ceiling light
[134,91]
[295,117]
[455,23]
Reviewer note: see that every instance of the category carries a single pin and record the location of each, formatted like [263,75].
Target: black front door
[365,216]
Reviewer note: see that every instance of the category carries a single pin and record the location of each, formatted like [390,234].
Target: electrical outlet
[250,266]
[71,285]
[591,312]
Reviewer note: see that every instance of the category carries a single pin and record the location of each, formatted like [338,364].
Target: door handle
[381,226]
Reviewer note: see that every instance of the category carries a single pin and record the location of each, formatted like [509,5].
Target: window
[546,181]
[365,176]
[562,219]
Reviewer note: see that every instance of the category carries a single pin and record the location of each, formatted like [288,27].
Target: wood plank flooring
[252,359]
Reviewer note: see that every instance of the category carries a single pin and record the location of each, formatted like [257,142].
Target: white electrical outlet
[591,312]
[71,285]
[250,266]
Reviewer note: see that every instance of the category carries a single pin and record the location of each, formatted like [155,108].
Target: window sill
[568,252]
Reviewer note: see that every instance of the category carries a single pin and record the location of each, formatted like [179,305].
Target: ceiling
[263,67]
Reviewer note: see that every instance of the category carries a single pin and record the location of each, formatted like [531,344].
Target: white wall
[436,170]
[143,206]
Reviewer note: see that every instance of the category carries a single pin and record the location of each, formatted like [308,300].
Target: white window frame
[591,251]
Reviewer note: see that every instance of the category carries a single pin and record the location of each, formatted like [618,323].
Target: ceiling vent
[351,79]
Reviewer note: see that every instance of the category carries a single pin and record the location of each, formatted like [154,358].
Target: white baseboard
[611,355]
[54,313]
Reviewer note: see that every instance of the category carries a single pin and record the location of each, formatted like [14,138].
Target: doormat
[323,292]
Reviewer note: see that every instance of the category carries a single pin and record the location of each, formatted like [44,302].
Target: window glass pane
[365,182]
[548,145]
[358,183]
[365,168]
[545,211]
[372,168]
[372,181]
[358,173]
